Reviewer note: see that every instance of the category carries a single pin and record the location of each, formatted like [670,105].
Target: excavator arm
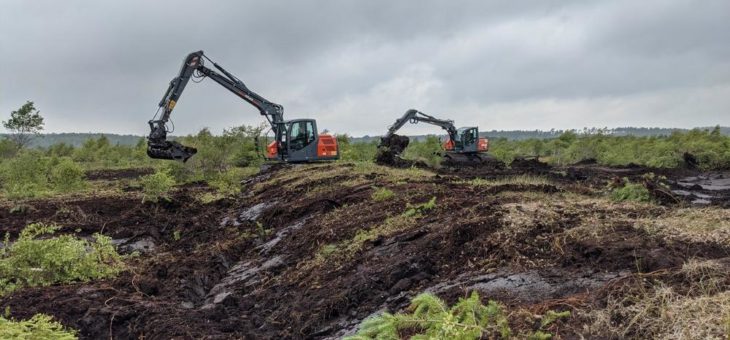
[415,116]
[194,67]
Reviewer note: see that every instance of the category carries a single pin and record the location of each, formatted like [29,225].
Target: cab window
[301,134]
[470,136]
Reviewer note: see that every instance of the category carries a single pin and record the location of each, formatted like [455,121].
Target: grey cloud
[355,65]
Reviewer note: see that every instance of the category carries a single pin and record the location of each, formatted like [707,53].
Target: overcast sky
[355,66]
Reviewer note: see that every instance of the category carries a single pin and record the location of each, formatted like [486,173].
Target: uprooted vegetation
[311,251]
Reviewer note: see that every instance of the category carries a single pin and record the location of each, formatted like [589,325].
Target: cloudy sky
[357,65]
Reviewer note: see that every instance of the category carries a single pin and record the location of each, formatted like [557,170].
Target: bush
[40,326]
[430,318]
[156,186]
[24,176]
[30,261]
[229,182]
[67,176]
[631,192]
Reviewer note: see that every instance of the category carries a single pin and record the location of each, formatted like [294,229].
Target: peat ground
[306,251]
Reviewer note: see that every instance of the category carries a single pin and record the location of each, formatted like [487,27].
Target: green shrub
[156,186]
[229,181]
[67,176]
[32,261]
[24,176]
[40,326]
[382,194]
[631,192]
[430,318]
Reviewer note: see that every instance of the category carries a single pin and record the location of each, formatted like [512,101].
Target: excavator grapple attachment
[170,150]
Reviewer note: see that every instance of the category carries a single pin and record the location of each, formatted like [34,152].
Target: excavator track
[453,159]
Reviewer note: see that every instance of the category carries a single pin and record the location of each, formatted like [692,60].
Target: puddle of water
[704,189]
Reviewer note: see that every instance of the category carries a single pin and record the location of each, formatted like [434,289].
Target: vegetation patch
[67,176]
[429,317]
[40,326]
[382,194]
[156,186]
[517,180]
[628,191]
[37,258]
[662,313]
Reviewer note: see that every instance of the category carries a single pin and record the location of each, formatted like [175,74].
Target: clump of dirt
[390,149]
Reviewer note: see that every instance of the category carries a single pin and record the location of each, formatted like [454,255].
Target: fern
[431,318]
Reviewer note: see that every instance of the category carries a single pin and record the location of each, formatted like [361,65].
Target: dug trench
[310,251]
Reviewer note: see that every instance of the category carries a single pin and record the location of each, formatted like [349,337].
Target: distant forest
[547,134]
[77,139]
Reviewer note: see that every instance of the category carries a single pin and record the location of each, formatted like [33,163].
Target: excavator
[294,141]
[463,147]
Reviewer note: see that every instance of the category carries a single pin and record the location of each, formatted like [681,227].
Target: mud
[704,188]
[274,263]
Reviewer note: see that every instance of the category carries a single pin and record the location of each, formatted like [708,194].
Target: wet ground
[306,252]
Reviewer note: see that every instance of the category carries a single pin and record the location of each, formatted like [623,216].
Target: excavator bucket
[170,150]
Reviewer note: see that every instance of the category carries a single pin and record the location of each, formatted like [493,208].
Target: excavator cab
[467,141]
[297,141]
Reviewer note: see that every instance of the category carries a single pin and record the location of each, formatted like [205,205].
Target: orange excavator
[295,140]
